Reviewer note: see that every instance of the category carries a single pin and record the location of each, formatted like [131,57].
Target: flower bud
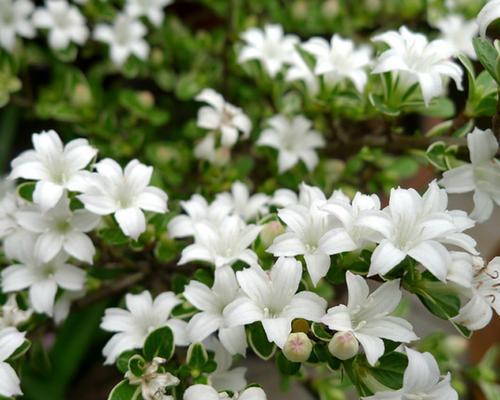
[343,345]
[81,96]
[270,231]
[455,345]
[298,347]
[146,98]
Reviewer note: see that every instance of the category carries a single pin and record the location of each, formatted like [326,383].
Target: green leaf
[136,365]
[113,236]
[440,107]
[487,55]
[319,330]
[25,190]
[21,350]
[390,369]
[159,343]
[439,129]
[197,356]
[122,361]
[125,391]
[257,340]
[378,102]
[285,366]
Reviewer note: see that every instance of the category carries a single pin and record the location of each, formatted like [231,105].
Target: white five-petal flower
[143,315]
[368,317]
[60,229]
[124,193]
[416,226]
[482,175]
[10,340]
[223,245]
[271,298]
[125,38]
[340,60]
[222,116]
[459,34]
[56,167]
[212,302]
[417,61]
[311,232]
[15,21]
[421,380]
[64,21]
[489,13]
[294,139]
[42,278]
[153,9]
[270,46]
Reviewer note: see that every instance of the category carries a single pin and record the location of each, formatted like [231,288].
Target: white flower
[271,298]
[459,34]
[206,149]
[484,295]
[222,116]
[11,314]
[64,21]
[9,205]
[225,378]
[348,214]
[489,13]
[222,245]
[460,270]
[124,193]
[415,226]
[153,9]
[368,317]
[63,304]
[416,60]
[422,380]
[205,392]
[339,60]
[212,302]
[125,37]
[294,139]
[481,175]
[270,46]
[56,167]
[153,383]
[15,20]
[60,229]
[242,203]
[197,210]
[143,315]
[10,341]
[42,278]
[311,233]
[300,71]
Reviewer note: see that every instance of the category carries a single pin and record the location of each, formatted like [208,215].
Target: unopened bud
[343,345]
[146,98]
[298,347]
[81,95]
[331,8]
[222,156]
[270,231]
[455,345]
